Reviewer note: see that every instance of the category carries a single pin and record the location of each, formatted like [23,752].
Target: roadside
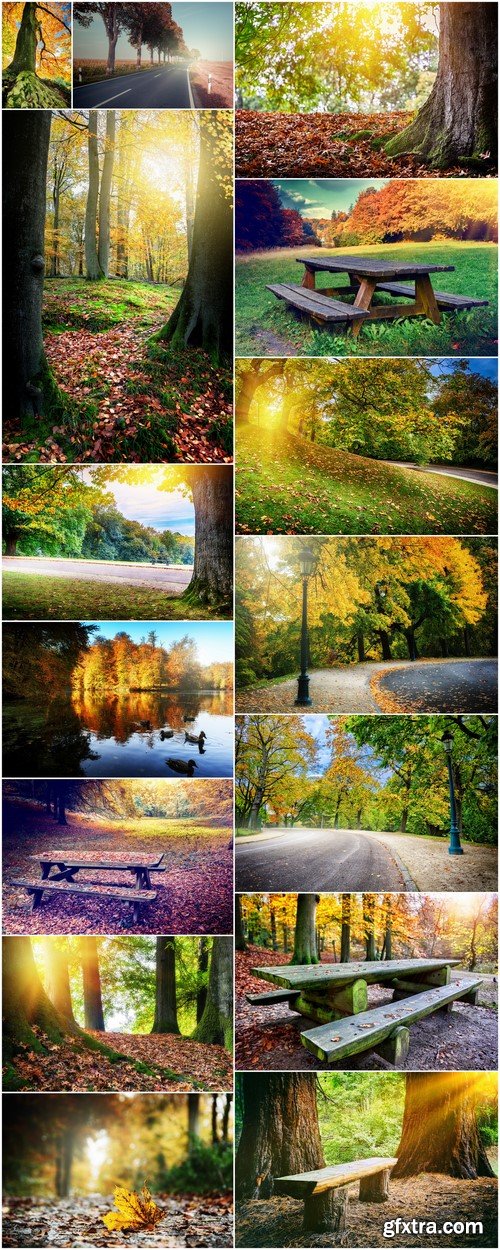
[431,866]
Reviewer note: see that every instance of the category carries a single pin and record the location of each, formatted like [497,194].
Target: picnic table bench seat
[135,898]
[320,307]
[385,1028]
[320,1216]
[274,996]
[443,298]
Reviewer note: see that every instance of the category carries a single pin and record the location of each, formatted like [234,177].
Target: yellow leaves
[135,1211]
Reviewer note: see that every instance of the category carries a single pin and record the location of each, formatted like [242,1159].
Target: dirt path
[432,868]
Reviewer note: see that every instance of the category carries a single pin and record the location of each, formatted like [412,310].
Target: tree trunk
[304,949]
[280,1134]
[11,540]
[193,1117]
[458,121]
[212,489]
[92,997]
[369,923]
[26,44]
[91,257]
[204,315]
[64,1161]
[225,1116]
[57,979]
[25,1002]
[216,1024]
[165,1020]
[440,1132]
[239,933]
[385,644]
[55,250]
[361,647]
[201,996]
[345,936]
[105,194]
[26,150]
[215,1132]
[411,643]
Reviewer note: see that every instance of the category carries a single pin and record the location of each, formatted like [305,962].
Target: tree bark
[26,44]
[304,948]
[165,1020]
[239,932]
[64,1162]
[215,1131]
[225,1116]
[25,1002]
[280,1133]
[369,923]
[193,1117]
[91,257]
[216,1024]
[212,490]
[105,194]
[201,996]
[57,979]
[92,997]
[345,935]
[458,121]
[26,150]
[440,1132]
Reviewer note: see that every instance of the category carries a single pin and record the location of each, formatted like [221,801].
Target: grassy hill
[287,485]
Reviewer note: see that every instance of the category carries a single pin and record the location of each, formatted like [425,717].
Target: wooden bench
[384,1029]
[68,865]
[136,898]
[274,996]
[443,299]
[326,1211]
[320,307]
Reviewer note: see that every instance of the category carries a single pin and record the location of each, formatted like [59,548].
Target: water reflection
[130,735]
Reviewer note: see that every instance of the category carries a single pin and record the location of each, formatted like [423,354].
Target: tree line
[151,25]
[209,802]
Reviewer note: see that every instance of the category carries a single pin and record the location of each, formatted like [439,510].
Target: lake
[118,736]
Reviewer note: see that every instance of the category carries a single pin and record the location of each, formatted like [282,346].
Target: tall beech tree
[305,946]
[92,995]
[216,1024]
[165,1020]
[459,120]
[57,978]
[440,1131]
[26,1005]
[36,36]
[105,194]
[114,17]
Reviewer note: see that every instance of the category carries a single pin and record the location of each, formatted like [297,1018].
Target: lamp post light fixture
[307,564]
[454,848]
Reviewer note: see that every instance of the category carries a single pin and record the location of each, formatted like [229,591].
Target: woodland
[366,772]
[450,223]
[67,511]
[335,90]
[73,696]
[89,1013]
[36,56]
[90,1167]
[350,422]
[119,331]
[331,928]
[191,825]
[441,1127]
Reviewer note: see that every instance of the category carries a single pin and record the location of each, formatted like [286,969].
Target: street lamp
[454,847]
[307,565]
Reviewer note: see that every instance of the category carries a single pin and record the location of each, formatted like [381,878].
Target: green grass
[289,485]
[79,304]
[261,318]
[27,596]
[157,828]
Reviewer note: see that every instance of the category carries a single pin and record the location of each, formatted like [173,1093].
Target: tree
[201,993]
[458,121]
[26,1005]
[212,491]
[203,317]
[305,947]
[239,937]
[345,938]
[91,257]
[105,193]
[40,28]
[216,1024]
[94,1014]
[165,1020]
[57,979]
[26,149]
[114,17]
[440,1131]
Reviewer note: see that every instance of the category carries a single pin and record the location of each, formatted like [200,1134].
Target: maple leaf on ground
[135,1211]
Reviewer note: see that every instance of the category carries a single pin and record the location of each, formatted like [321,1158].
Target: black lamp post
[307,562]
[454,847]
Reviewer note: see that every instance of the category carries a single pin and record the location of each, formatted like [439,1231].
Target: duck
[186,767]
[196,739]
[141,724]
[188,720]
[166,733]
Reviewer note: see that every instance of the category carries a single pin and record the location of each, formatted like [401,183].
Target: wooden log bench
[385,1029]
[321,308]
[443,298]
[274,996]
[324,1192]
[135,898]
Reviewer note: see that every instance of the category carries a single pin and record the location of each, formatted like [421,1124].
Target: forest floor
[266,327]
[128,399]
[76,1223]
[288,485]
[194,895]
[268,1038]
[429,1196]
[152,1061]
[328,145]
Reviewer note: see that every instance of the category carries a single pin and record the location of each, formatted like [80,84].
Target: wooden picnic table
[68,865]
[367,277]
[325,992]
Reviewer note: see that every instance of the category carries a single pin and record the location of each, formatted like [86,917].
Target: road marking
[192,104]
[113,97]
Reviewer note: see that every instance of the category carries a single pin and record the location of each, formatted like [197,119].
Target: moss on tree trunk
[304,949]
[216,1024]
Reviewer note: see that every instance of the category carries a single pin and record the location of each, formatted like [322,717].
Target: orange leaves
[135,1212]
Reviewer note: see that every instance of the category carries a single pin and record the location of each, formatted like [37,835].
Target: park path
[400,686]
[162,86]
[483,477]
[316,859]
[160,577]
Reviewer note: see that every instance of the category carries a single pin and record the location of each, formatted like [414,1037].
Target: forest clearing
[184,826]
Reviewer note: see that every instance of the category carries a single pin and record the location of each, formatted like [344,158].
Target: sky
[206,26]
[160,509]
[213,639]
[486,367]
[319,197]
[317,725]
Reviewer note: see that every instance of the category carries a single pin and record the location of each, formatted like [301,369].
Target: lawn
[123,396]
[290,486]
[27,596]
[265,327]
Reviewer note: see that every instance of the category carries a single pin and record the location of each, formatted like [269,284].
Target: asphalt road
[155,576]
[316,859]
[482,476]
[163,87]
[464,686]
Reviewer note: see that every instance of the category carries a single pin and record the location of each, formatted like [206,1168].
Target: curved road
[162,87]
[483,477]
[156,576]
[461,686]
[315,859]
[420,686]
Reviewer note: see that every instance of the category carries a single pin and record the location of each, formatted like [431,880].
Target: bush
[206,1170]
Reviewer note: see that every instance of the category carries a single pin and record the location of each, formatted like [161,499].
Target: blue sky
[213,639]
[206,26]
[317,725]
[319,197]
[487,367]
[145,502]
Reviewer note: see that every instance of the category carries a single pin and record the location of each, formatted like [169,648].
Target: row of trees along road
[378,773]
[344,927]
[39,1013]
[148,24]
[203,316]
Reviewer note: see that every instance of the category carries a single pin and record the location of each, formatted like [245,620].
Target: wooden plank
[274,996]
[80,861]
[308,976]
[314,303]
[91,890]
[350,1037]
[370,267]
[443,298]
[306,1183]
